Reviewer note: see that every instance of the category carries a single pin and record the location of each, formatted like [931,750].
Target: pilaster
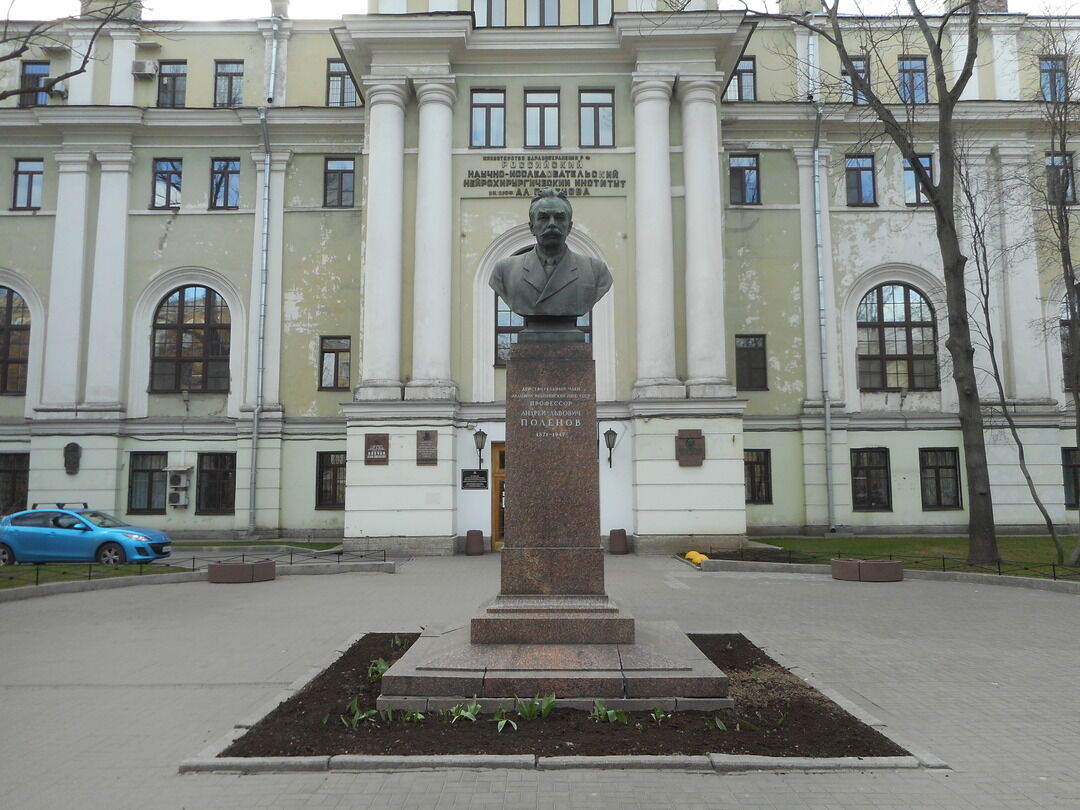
[1004,48]
[121,82]
[81,85]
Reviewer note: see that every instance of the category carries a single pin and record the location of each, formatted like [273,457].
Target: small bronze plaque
[690,448]
[376,448]
[427,448]
[474,479]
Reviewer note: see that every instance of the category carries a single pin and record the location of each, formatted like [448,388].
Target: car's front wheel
[7,556]
[110,554]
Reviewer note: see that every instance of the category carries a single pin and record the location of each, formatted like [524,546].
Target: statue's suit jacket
[575,285]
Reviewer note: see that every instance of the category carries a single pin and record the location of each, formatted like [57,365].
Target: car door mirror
[81,527]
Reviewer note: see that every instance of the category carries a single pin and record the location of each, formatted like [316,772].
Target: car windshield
[103,519]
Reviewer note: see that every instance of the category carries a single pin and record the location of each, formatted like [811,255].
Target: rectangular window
[911,83]
[489,13]
[29,175]
[743,84]
[1067,368]
[172,84]
[14,478]
[750,366]
[1053,80]
[597,113]
[1070,470]
[744,180]
[168,174]
[488,118]
[33,75]
[339,178]
[330,481]
[913,190]
[541,12]
[1059,178]
[340,90]
[859,177]
[939,476]
[542,118]
[594,12]
[225,183]
[335,363]
[871,490]
[228,83]
[215,492]
[147,481]
[757,473]
[862,68]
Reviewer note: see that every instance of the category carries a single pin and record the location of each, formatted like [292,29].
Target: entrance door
[498,495]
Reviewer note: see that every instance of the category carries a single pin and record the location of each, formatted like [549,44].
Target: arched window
[897,340]
[191,342]
[508,324]
[14,341]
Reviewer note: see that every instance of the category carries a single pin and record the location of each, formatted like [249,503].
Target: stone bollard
[474,542]
[617,542]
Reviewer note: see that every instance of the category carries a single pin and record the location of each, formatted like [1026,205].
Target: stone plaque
[427,448]
[376,448]
[474,479]
[690,448]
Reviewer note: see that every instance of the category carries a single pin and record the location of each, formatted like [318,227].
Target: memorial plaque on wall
[690,448]
[427,448]
[376,448]
[474,479]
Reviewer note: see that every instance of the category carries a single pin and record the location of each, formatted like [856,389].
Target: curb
[80,586]
[609,763]
[361,762]
[1056,586]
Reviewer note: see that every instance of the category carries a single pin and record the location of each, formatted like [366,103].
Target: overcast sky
[322,9]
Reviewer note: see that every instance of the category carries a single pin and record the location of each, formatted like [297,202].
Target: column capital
[436,90]
[279,160]
[125,33]
[1014,153]
[703,88]
[385,90]
[72,161]
[804,153]
[652,87]
[117,161]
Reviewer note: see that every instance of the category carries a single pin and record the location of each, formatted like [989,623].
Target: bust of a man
[550,283]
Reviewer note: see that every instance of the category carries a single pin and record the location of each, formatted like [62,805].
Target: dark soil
[777,714]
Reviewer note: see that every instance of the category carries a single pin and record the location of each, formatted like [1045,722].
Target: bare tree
[19,38]
[904,119]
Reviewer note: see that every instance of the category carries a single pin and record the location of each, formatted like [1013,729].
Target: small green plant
[659,716]
[376,669]
[501,720]
[467,711]
[357,715]
[412,717]
[387,715]
[715,724]
[601,714]
[535,707]
[397,642]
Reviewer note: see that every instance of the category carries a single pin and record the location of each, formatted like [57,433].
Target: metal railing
[921,562]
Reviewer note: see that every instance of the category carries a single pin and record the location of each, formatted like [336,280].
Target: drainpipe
[264,272]
[819,258]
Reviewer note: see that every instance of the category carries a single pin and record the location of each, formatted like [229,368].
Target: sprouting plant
[500,719]
[387,715]
[357,715]
[715,724]
[535,707]
[659,716]
[412,717]
[376,669]
[397,642]
[602,714]
[467,710]
[546,705]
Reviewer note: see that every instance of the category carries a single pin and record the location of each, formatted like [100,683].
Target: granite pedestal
[552,627]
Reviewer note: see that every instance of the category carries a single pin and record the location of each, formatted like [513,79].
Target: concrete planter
[868,570]
[257,571]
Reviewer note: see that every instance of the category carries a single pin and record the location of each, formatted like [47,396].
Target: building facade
[245,270]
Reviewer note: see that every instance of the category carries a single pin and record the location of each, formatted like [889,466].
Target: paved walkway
[102,694]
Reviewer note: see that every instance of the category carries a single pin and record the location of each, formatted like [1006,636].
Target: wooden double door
[498,495]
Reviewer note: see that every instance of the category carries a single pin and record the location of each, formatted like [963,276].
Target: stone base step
[541,627]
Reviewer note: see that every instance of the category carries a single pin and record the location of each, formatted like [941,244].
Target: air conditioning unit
[144,68]
[178,497]
[178,480]
[58,90]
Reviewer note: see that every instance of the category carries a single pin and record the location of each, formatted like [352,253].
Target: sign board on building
[376,448]
[427,448]
[690,448]
[474,479]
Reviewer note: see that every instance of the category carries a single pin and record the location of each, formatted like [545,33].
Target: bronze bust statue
[551,285]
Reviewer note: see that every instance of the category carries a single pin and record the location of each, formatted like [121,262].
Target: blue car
[77,535]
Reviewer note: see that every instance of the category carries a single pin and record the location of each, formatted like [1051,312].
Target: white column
[381,363]
[654,271]
[108,309]
[271,387]
[706,336]
[1006,64]
[81,86]
[1023,308]
[958,34]
[63,330]
[121,82]
[431,377]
